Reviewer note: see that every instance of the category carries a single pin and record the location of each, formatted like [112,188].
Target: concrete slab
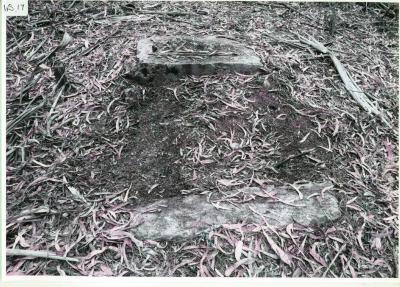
[185,217]
[162,59]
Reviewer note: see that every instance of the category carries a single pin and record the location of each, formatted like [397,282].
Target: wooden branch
[169,13]
[354,90]
[278,165]
[334,259]
[36,253]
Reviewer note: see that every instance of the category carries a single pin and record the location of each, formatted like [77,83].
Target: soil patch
[275,138]
[149,163]
[296,131]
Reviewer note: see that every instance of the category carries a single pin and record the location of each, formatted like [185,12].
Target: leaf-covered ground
[86,145]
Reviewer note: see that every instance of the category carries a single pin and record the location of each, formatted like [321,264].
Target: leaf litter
[85,145]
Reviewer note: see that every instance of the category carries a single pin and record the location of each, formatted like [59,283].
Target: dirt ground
[86,144]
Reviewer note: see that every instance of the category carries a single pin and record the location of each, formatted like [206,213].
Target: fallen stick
[354,90]
[35,253]
[334,259]
[170,13]
[22,116]
[278,165]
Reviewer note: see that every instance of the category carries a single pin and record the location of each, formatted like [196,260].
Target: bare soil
[149,164]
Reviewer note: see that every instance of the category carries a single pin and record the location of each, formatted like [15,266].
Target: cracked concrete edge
[185,217]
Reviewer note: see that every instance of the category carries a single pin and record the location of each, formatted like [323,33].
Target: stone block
[186,217]
[166,58]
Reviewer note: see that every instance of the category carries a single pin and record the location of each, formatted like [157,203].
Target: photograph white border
[34,281]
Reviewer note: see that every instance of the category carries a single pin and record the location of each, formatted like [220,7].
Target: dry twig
[36,253]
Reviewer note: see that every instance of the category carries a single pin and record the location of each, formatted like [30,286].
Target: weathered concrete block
[162,59]
[185,217]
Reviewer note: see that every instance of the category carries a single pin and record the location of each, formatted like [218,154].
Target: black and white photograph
[202,139]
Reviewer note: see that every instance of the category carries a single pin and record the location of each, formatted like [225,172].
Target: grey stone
[163,59]
[185,217]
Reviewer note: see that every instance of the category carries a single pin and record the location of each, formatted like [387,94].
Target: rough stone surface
[185,217]
[163,59]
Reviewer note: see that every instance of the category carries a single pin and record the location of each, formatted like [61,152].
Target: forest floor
[84,149]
